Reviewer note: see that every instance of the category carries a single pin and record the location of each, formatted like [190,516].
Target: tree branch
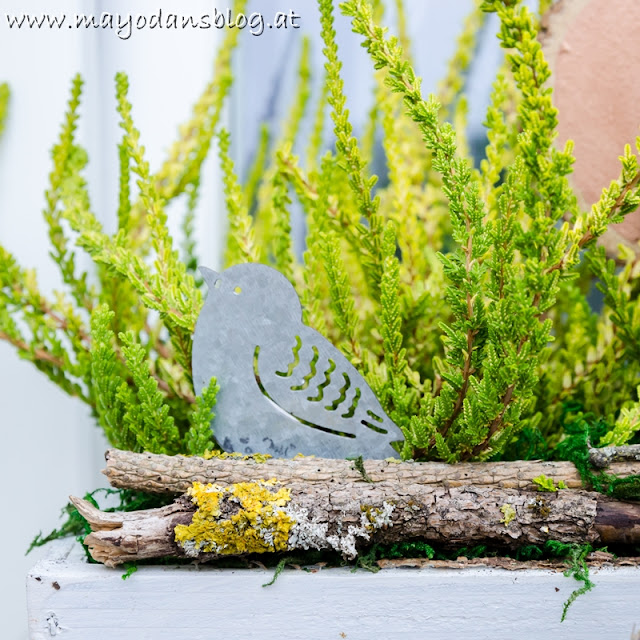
[317,508]
[156,473]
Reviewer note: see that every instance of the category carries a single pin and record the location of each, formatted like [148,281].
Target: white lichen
[371,519]
[191,550]
[382,517]
[305,533]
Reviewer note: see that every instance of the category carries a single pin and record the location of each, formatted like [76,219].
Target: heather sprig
[458,288]
[5,95]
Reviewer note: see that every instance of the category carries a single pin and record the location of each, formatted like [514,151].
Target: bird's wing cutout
[313,382]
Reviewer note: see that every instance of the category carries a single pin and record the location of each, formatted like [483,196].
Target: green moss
[358,465]
[247,517]
[129,569]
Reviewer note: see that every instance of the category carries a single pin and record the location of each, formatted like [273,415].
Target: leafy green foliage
[241,244]
[199,438]
[458,291]
[120,338]
[581,431]
[5,94]
[511,257]
[547,484]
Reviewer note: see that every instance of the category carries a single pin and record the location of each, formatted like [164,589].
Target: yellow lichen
[509,514]
[223,455]
[247,517]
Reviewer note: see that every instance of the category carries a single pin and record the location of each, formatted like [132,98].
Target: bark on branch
[174,474]
[327,504]
[605,456]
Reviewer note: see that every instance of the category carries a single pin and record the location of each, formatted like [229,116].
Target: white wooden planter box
[70,598]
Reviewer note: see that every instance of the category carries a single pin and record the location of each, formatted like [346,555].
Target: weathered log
[175,474]
[345,515]
[605,456]
[135,535]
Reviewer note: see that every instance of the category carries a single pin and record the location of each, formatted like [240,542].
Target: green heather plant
[459,291]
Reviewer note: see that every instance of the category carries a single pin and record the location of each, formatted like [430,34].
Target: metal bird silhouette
[284,388]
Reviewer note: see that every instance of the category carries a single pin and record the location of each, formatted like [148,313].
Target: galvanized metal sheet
[284,388]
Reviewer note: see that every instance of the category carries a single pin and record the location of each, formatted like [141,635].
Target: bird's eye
[237,291]
[218,283]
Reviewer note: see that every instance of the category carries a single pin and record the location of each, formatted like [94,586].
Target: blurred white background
[51,445]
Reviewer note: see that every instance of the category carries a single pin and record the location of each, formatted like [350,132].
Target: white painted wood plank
[175,603]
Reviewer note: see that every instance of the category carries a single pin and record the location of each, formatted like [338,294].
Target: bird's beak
[209,275]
